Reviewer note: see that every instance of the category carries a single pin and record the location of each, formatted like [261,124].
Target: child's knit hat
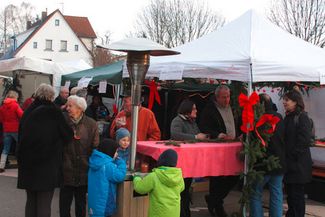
[108,146]
[168,158]
[121,133]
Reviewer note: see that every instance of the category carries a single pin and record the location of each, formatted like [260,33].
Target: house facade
[57,38]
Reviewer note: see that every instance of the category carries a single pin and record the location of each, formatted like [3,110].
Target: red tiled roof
[81,26]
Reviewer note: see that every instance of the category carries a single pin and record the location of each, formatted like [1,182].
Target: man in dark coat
[61,99]
[217,120]
[273,178]
[43,132]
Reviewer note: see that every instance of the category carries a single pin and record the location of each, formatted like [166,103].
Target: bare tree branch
[302,18]
[175,22]
[13,21]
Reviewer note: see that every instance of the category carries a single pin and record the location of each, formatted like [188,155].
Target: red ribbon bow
[248,113]
[115,109]
[266,118]
[153,94]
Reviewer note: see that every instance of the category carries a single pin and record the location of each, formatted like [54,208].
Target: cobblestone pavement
[13,200]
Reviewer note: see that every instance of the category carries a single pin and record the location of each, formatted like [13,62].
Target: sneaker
[2,170]
[210,207]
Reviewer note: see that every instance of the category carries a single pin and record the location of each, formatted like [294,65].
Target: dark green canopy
[112,73]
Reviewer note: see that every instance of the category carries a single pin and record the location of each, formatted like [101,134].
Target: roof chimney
[28,24]
[44,15]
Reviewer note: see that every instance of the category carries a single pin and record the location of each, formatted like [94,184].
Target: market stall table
[199,159]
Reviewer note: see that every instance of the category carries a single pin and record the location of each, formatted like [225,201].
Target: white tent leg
[249,92]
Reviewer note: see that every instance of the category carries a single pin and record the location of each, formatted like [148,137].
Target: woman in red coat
[10,114]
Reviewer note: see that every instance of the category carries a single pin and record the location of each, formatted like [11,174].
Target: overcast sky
[118,16]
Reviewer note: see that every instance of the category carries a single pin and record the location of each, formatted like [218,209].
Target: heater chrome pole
[138,61]
[137,64]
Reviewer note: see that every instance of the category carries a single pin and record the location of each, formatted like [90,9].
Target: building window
[48,44]
[57,22]
[64,46]
[76,47]
[35,44]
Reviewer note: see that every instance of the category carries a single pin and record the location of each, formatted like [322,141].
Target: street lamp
[138,61]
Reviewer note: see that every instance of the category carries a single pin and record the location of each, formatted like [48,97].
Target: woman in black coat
[42,133]
[298,157]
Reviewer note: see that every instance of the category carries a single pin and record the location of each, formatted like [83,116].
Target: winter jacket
[76,154]
[148,129]
[298,157]
[59,101]
[183,128]
[10,114]
[124,154]
[164,186]
[43,132]
[103,175]
[211,121]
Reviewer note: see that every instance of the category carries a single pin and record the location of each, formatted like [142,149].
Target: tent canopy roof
[248,44]
[112,73]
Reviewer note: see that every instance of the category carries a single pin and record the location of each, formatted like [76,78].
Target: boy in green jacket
[164,185]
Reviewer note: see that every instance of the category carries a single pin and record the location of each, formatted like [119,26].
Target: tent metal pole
[246,162]
[117,88]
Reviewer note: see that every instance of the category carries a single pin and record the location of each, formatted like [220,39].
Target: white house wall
[88,42]
[56,33]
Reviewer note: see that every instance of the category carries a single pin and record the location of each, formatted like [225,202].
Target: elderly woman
[184,127]
[75,157]
[43,131]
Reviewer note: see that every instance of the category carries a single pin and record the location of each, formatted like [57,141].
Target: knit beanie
[108,146]
[168,158]
[121,133]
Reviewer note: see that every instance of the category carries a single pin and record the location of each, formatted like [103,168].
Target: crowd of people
[58,145]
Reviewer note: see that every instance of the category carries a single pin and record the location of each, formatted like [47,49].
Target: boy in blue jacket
[105,171]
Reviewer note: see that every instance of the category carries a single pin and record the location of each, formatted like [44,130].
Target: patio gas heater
[138,61]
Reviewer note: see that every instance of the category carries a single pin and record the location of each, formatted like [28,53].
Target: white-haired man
[217,120]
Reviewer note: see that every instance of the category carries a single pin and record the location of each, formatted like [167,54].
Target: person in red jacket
[148,129]
[10,114]
[28,101]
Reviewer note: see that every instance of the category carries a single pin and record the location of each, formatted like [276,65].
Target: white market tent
[34,71]
[249,49]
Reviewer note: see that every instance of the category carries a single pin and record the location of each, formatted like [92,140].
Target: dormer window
[64,45]
[57,22]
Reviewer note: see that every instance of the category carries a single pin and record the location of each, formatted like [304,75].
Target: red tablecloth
[200,159]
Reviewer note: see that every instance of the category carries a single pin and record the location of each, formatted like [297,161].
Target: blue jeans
[276,196]
[7,141]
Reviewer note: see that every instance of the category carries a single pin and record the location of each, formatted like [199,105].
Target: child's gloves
[135,174]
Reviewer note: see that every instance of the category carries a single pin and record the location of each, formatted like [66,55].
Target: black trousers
[38,203]
[186,198]
[296,200]
[66,195]
[219,188]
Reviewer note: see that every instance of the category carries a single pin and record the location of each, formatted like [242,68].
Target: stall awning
[112,73]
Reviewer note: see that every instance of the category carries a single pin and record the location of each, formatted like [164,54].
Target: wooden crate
[130,205]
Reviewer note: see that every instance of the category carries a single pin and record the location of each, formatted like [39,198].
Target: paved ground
[12,201]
